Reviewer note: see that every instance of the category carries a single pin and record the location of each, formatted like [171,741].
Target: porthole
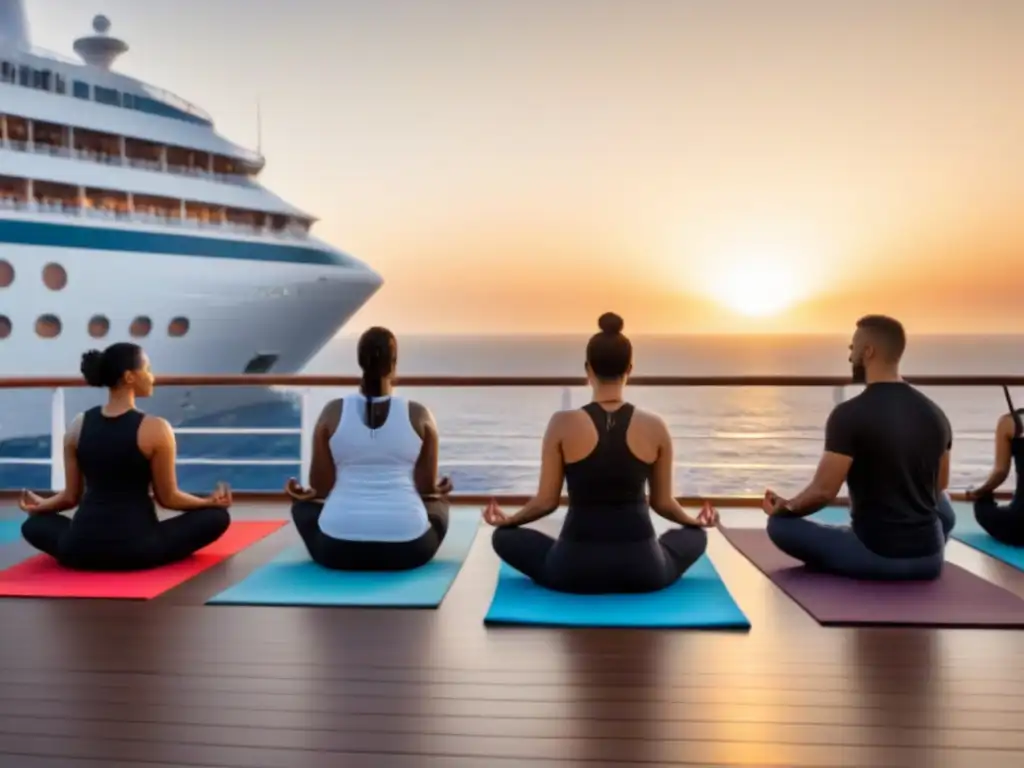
[140,327]
[6,273]
[55,277]
[99,326]
[48,326]
[5,326]
[178,327]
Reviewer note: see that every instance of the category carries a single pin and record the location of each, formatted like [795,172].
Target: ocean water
[727,440]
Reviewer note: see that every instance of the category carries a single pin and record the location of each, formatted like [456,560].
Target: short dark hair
[888,332]
[609,352]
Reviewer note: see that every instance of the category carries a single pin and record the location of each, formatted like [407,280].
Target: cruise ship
[125,216]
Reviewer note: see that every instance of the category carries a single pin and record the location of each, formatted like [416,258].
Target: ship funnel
[101,49]
[13,26]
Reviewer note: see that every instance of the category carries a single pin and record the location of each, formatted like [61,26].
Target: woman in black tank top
[608,543]
[112,455]
[1004,523]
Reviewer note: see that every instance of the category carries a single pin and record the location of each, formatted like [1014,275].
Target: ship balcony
[49,198]
[23,135]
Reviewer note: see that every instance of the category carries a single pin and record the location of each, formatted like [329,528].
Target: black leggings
[342,555]
[1005,524]
[170,541]
[600,568]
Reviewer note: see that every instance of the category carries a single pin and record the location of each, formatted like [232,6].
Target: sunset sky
[523,165]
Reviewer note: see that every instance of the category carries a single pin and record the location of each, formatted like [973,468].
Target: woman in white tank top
[375,467]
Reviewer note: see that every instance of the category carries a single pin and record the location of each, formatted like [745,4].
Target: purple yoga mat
[958,598]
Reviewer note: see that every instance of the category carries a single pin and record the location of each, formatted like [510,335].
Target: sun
[753,291]
[757,287]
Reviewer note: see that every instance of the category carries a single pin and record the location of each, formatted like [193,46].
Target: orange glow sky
[523,165]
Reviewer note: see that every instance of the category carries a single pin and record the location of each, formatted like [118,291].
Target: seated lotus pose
[891,445]
[1004,523]
[116,453]
[607,452]
[375,461]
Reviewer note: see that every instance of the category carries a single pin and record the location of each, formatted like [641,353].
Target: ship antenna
[259,127]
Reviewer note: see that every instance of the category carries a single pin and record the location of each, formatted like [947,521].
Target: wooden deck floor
[171,682]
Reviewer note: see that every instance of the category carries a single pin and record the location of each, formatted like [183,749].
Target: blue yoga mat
[832,516]
[10,530]
[293,579]
[973,535]
[698,600]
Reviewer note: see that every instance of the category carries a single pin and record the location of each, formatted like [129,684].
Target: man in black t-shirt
[891,445]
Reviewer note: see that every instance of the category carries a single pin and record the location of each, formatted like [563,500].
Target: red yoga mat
[41,576]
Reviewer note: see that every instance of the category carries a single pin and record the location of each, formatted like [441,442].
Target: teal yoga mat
[698,600]
[973,535]
[10,530]
[293,579]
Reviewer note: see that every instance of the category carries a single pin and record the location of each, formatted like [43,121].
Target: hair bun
[611,323]
[92,368]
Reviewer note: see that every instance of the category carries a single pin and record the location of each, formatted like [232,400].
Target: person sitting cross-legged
[891,446]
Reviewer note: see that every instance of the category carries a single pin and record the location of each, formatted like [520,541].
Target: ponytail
[377,352]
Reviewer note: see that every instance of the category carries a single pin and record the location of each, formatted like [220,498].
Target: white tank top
[374,496]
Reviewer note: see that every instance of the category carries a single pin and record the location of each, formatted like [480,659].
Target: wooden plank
[59,718]
[277,749]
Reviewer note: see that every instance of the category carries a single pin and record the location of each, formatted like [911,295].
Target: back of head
[107,368]
[609,352]
[886,335]
[377,353]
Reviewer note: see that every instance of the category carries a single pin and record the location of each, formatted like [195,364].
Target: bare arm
[552,477]
[425,472]
[322,471]
[833,467]
[73,483]
[663,499]
[1001,468]
[824,487]
[157,441]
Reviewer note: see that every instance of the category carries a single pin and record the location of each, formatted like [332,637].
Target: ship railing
[68,208]
[115,158]
[303,387]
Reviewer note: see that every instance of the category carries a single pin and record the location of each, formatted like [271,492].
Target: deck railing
[302,385]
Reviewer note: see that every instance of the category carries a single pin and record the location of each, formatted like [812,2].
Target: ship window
[6,72]
[48,326]
[81,90]
[140,327]
[6,273]
[24,76]
[5,326]
[99,326]
[108,96]
[262,363]
[55,277]
[178,327]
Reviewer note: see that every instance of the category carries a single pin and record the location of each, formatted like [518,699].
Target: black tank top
[116,502]
[607,501]
[1017,449]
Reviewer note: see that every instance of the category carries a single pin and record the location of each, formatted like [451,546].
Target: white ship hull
[237,310]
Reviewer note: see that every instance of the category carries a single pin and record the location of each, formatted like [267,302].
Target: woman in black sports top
[607,453]
[1004,523]
[112,454]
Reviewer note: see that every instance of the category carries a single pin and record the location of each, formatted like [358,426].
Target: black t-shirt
[896,437]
